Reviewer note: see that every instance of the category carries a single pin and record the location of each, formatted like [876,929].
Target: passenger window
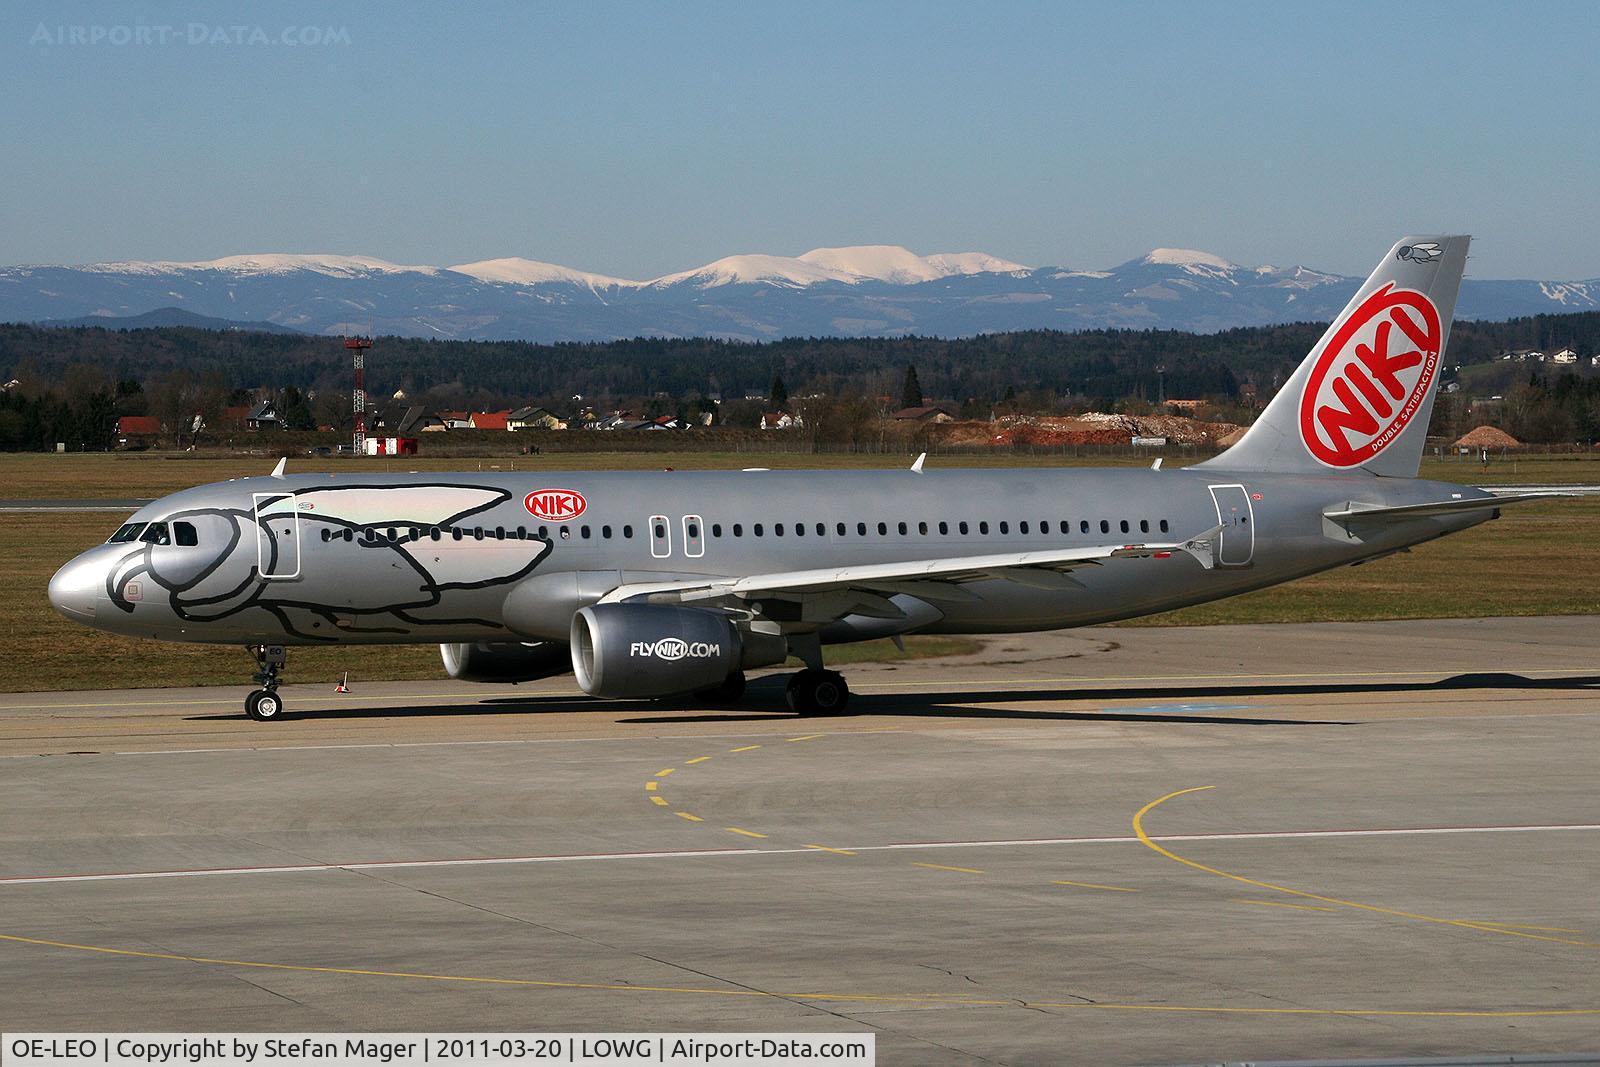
[822,530]
[738,529]
[477,533]
[1022,527]
[627,532]
[799,529]
[500,533]
[661,530]
[1105,527]
[326,533]
[840,529]
[183,533]
[156,534]
[716,529]
[1163,525]
[777,529]
[349,534]
[1123,525]
[983,528]
[944,529]
[922,528]
[435,534]
[127,532]
[1005,528]
[1083,526]
[963,529]
[883,529]
[694,530]
[756,529]
[583,532]
[1144,525]
[1066,527]
[902,528]
[861,529]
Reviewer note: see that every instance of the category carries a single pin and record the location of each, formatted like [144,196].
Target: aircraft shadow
[952,704]
[764,702]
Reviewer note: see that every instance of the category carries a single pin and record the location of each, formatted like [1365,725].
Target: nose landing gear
[264,704]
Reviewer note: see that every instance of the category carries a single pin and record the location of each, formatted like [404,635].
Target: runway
[1105,846]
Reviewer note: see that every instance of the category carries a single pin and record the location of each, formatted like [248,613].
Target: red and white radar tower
[358,398]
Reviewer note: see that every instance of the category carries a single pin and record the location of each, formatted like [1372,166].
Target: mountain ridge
[851,291]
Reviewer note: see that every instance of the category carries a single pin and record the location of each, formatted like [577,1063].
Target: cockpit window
[127,532]
[156,534]
[183,533]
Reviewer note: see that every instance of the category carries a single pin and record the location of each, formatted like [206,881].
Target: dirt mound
[1090,428]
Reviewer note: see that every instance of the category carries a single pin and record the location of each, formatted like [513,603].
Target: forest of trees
[71,382]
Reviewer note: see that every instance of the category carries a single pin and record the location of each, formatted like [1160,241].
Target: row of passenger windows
[156,533]
[1045,527]
[183,533]
[964,529]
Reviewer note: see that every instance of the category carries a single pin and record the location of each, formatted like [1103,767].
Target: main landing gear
[815,690]
[264,704]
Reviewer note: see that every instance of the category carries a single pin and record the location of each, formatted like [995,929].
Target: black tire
[729,692]
[264,705]
[813,692]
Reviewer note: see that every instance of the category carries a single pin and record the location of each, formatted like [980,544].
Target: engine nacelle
[505,661]
[652,650]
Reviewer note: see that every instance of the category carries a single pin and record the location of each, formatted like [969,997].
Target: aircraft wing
[832,592]
[1355,511]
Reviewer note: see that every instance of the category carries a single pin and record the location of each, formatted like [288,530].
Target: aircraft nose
[76,588]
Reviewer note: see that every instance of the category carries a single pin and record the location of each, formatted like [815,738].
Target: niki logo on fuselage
[1371,378]
[555,505]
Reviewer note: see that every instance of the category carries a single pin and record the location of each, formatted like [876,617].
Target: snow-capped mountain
[865,290]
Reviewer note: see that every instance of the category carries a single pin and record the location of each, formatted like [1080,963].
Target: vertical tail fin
[1362,398]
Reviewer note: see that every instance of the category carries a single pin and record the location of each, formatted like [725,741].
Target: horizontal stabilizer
[1378,512]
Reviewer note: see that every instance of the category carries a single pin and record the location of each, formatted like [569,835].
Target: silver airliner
[672,583]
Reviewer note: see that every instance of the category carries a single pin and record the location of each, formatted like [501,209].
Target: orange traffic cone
[344,684]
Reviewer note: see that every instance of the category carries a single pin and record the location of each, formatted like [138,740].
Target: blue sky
[640,139]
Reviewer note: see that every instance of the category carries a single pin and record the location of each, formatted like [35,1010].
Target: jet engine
[657,650]
[505,661]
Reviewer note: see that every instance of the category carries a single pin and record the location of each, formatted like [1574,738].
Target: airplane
[672,583]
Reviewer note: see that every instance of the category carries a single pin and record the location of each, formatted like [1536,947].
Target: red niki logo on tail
[1371,378]
[556,505]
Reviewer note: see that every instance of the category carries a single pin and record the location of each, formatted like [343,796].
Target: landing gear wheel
[264,705]
[817,692]
[729,692]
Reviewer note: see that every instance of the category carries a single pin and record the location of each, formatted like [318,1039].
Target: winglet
[277,472]
[1157,464]
[916,464]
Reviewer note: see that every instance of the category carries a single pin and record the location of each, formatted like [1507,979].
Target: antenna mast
[358,397]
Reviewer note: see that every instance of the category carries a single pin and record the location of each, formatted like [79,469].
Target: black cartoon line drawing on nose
[415,529]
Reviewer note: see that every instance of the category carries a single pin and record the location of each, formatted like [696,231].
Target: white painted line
[716,853]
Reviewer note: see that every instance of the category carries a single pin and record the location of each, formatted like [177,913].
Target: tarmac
[1106,846]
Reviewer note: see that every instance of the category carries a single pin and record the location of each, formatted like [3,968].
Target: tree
[779,399]
[911,391]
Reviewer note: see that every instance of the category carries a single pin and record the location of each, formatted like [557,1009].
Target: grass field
[1536,560]
[25,475]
